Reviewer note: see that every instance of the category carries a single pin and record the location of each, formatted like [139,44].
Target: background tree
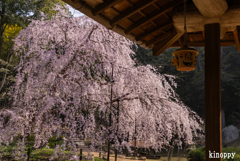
[14,16]
[7,67]
[191,84]
[20,12]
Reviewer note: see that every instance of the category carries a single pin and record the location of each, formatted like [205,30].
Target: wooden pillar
[213,130]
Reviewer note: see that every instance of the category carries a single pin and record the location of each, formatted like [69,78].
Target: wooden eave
[147,22]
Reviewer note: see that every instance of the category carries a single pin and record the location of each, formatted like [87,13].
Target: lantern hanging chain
[185,25]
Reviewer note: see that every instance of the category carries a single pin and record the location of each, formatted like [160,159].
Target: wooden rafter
[87,10]
[180,41]
[152,16]
[155,29]
[144,15]
[129,12]
[104,6]
[202,43]
[154,24]
[130,3]
[153,13]
[159,38]
[166,43]
[166,16]
[235,34]
[156,6]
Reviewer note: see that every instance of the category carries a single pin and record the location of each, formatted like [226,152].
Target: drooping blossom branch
[63,85]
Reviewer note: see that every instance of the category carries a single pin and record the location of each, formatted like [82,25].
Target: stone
[142,158]
[230,134]
[111,152]
[104,157]
[121,156]
[89,158]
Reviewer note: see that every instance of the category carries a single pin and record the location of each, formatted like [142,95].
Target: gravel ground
[112,158]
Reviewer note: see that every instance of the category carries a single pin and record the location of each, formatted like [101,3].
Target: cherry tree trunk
[135,141]
[116,151]
[80,158]
[170,153]
[110,117]
[148,153]
[109,139]
[28,154]
[135,149]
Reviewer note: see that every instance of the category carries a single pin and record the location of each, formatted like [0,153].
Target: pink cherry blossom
[64,79]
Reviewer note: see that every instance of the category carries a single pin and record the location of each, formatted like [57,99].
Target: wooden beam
[211,8]
[98,9]
[152,16]
[223,30]
[129,12]
[158,38]
[213,126]
[155,29]
[202,44]
[196,21]
[166,43]
[203,34]
[199,34]
[235,34]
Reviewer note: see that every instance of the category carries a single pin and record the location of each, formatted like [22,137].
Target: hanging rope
[185,24]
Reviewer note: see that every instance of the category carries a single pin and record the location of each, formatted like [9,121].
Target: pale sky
[75,13]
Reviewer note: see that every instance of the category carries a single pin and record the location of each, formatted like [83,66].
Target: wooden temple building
[159,24]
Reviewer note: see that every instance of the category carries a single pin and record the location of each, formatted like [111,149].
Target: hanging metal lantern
[185,59]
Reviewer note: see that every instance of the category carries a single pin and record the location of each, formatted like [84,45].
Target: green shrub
[31,138]
[197,154]
[99,159]
[55,141]
[236,158]
[232,150]
[29,145]
[42,153]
